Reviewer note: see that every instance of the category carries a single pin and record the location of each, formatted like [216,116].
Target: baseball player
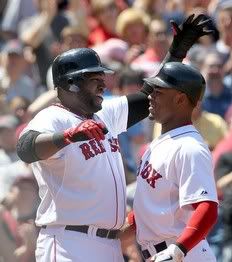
[74,153]
[175,203]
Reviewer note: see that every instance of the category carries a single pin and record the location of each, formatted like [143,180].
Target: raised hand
[187,34]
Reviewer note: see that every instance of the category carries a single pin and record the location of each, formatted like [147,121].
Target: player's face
[162,105]
[91,94]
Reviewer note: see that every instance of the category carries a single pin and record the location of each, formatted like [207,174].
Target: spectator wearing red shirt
[106,13]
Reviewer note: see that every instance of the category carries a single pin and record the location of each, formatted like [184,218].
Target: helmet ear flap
[71,86]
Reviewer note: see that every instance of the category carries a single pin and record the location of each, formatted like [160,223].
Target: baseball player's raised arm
[33,146]
[184,36]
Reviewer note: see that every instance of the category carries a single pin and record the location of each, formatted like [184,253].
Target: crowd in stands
[132,38]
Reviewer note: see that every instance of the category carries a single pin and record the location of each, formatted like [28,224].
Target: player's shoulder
[191,141]
[54,111]
[113,100]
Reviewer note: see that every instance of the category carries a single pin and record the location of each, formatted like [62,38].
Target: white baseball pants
[55,244]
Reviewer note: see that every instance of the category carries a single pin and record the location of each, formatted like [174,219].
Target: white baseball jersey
[83,183]
[176,170]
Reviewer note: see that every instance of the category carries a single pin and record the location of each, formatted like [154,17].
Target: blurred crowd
[132,38]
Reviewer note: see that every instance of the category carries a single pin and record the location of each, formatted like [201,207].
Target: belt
[159,247]
[101,232]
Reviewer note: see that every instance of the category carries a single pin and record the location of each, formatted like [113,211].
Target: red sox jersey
[83,183]
[175,171]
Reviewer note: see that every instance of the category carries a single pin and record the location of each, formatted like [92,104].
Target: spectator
[132,26]
[42,33]
[74,37]
[10,165]
[223,176]
[22,202]
[19,107]
[224,146]
[8,124]
[15,82]
[224,23]
[9,235]
[71,37]
[105,12]
[15,11]
[156,48]
[212,127]
[218,96]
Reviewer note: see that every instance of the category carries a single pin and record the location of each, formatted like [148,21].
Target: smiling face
[88,99]
[91,94]
[169,107]
[161,104]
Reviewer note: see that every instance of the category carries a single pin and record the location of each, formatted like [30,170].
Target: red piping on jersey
[124,197]
[116,192]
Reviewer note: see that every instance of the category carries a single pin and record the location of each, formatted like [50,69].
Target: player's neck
[80,112]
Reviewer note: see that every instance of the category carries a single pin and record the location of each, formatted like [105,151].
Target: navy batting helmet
[68,67]
[182,77]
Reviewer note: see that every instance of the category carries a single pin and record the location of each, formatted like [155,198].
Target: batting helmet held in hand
[68,67]
[182,77]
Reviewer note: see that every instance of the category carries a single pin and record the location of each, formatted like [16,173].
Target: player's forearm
[170,58]
[127,237]
[34,146]
[47,145]
[199,225]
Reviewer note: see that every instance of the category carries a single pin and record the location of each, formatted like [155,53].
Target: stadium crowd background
[132,38]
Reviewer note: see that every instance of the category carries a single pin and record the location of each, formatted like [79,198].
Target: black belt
[159,247]
[101,232]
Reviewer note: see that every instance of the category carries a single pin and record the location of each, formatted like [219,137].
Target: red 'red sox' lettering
[150,174]
[93,147]
[114,144]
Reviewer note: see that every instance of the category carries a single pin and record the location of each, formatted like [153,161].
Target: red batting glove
[86,130]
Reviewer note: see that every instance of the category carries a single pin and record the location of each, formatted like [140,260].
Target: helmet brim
[94,69]
[158,82]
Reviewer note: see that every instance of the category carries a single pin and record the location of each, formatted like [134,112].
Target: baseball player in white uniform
[75,156]
[175,202]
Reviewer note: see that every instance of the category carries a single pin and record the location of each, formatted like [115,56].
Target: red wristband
[131,219]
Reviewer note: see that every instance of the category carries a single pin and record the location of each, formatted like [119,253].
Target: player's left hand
[172,253]
[187,34]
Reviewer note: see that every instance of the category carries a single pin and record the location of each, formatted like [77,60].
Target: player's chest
[93,149]
[156,167]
